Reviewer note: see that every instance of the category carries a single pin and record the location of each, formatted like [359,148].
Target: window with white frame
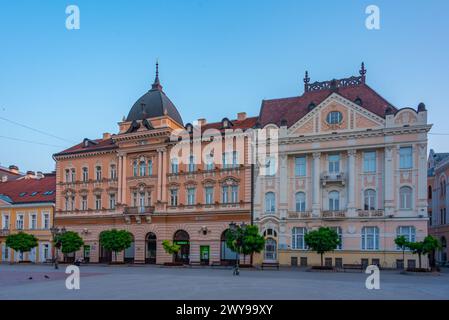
[142,168]
[112,201]
[142,202]
[190,196]
[405,198]
[234,194]
[98,173]
[271,166]
[225,194]
[235,159]
[73,175]
[300,166]
[334,201]
[5,221]
[209,193]
[174,166]
[67,175]
[134,199]
[370,238]
[113,172]
[209,162]
[98,202]
[298,234]
[409,232]
[33,221]
[173,197]
[192,166]
[45,252]
[339,232]
[85,174]
[226,159]
[334,163]
[369,161]
[19,222]
[135,168]
[405,158]
[334,117]
[300,198]
[46,221]
[83,202]
[5,253]
[369,199]
[270,202]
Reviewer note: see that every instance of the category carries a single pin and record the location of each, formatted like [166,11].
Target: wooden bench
[270,265]
[216,264]
[195,263]
[353,267]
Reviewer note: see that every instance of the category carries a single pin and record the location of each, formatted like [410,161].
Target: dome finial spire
[157,85]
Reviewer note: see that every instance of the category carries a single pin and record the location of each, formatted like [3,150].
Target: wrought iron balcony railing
[139,210]
[370,213]
[338,177]
[330,214]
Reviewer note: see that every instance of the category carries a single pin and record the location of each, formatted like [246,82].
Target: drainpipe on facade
[252,203]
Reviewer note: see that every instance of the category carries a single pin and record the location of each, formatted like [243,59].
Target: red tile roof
[99,144]
[13,189]
[236,124]
[294,108]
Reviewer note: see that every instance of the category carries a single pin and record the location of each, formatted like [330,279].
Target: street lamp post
[55,232]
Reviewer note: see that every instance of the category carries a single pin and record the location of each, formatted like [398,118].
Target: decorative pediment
[334,114]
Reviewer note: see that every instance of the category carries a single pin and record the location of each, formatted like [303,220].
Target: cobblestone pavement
[154,282]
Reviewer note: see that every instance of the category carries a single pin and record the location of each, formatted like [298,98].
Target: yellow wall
[43,235]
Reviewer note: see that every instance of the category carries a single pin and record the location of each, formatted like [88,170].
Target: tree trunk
[403,259]
[419,254]
[321,259]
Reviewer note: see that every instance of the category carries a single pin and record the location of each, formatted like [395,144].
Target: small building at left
[27,205]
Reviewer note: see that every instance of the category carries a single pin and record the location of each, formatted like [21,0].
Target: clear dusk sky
[217,58]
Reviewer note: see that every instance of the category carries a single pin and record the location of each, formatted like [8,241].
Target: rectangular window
[174,166]
[192,166]
[369,161]
[150,167]
[370,238]
[174,197]
[73,175]
[234,194]
[409,232]
[405,158]
[134,199]
[300,166]
[190,196]
[340,237]
[334,163]
[5,221]
[113,172]
[45,252]
[33,221]
[85,175]
[141,202]
[67,175]
[83,202]
[224,192]
[98,202]
[19,222]
[112,201]
[98,173]
[225,159]
[209,162]
[271,166]
[235,159]
[46,221]
[209,195]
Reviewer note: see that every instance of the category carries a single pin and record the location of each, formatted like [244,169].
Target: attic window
[189,128]
[47,193]
[22,194]
[311,106]
[358,101]
[34,193]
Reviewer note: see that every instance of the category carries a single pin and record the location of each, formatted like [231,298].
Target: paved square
[154,282]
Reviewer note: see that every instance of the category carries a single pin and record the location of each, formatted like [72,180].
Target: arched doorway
[227,256]
[129,253]
[182,239]
[105,255]
[270,252]
[150,245]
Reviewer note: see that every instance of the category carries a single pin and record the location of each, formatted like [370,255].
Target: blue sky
[217,58]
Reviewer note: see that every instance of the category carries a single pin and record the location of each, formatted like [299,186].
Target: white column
[124,164]
[120,177]
[159,174]
[351,181]
[316,204]
[283,186]
[389,181]
[422,179]
[164,176]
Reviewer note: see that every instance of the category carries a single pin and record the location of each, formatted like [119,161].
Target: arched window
[370,199]
[405,198]
[300,198]
[334,201]
[270,202]
[370,238]
[298,234]
[142,168]
[135,169]
[270,233]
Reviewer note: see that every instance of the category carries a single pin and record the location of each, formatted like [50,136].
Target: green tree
[428,245]
[171,248]
[69,242]
[322,240]
[116,240]
[21,242]
[401,242]
[245,240]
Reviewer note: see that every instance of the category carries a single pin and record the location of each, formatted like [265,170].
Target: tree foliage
[116,240]
[428,245]
[69,242]
[21,242]
[170,247]
[245,240]
[322,240]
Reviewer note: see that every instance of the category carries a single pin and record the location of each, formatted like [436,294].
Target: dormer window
[189,128]
[226,123]
[358,101]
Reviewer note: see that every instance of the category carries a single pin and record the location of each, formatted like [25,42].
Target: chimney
[202,122]
[241,116]
[106,136]
[14,169]
[39,175]
[30,174]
